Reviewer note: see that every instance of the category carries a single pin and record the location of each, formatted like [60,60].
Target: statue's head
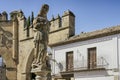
[44,10]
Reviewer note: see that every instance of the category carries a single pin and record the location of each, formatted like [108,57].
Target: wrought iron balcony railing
[101,63]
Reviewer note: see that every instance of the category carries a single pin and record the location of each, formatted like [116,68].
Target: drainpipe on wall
[53,58]
[118,58]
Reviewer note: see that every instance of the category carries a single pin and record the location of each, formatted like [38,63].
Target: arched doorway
[8,64]
[27,65]
[29,59]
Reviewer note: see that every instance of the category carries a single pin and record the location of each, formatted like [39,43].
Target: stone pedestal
[40,78]
[40,74]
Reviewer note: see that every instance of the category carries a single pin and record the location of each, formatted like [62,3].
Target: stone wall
[3,16]
[6,49]
[62,28]
[25,59]
[18,55]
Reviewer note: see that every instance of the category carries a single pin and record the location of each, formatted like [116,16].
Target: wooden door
[92,62]
[69,61]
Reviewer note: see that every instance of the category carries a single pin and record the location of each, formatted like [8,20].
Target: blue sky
[90,14]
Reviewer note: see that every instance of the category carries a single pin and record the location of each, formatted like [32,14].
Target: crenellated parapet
[3,16]
[55,23]
[19,21]
[63,26]
[16,14]
[60,22]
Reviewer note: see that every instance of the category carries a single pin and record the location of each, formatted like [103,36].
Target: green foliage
[28,26]
[28,22]
[32,17]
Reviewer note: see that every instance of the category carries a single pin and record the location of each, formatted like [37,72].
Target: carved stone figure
[41,29]
[5,38]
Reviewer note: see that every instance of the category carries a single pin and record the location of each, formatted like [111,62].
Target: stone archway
[26,71]
[11,68]
[28,65]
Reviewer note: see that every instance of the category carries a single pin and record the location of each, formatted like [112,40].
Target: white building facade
[88,56]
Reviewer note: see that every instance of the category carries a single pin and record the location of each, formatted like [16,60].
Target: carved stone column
[15,39]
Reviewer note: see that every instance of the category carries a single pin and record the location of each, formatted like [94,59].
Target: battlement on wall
[59,22]
[62,27]
[3,16]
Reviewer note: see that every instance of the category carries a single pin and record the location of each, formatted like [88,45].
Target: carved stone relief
[5,38]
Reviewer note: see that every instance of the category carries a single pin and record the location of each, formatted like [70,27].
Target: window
[92,58]
[69,61]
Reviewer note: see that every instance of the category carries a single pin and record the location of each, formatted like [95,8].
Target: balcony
[82,65]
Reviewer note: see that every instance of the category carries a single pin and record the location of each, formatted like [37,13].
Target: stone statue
[41,29]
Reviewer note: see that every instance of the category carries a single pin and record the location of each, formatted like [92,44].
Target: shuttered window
[92,62]
[69,61]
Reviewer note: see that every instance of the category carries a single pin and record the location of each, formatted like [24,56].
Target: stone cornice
[61,28]
[26,39]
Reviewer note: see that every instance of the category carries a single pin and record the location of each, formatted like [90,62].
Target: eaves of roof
[89,35]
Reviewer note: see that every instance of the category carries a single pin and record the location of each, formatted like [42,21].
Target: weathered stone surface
[62,27]
[6,49]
